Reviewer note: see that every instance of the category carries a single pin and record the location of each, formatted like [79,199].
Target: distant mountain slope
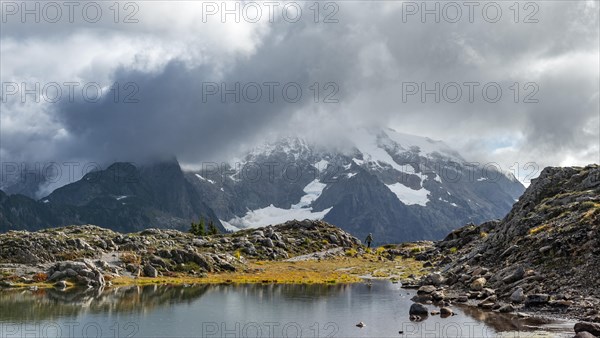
[122,197]
[19,212]
[400,187]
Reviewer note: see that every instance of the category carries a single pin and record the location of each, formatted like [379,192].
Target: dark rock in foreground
[592,328]
[418,310]
[543,257]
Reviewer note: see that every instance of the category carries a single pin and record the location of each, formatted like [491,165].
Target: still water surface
[247,311]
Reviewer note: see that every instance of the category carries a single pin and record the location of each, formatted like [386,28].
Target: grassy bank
[326,271]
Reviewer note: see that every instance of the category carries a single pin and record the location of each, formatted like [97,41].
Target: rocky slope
[123,198]
[89,254]
[542,257]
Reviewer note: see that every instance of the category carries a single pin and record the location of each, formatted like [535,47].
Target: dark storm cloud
[369,55]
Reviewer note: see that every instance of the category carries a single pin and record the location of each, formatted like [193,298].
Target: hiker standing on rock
[369,240]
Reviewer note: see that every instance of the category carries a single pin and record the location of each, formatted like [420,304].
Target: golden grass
[326,271]
[591,213]
[329,271]
[537,229]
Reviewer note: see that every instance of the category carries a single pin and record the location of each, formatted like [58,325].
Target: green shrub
[351,252]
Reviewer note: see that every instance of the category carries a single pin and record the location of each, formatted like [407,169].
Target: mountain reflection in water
[252,310]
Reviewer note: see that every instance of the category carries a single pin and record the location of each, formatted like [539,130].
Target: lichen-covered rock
[79,253]
[549,244]
[150,271]
[478,284]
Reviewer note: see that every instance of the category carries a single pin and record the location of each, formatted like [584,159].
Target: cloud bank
[200,86]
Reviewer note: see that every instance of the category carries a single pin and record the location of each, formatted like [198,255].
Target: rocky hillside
[90,254]
[122,197]
[543,256]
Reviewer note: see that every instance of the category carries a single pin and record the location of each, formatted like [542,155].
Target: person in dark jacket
[369,240]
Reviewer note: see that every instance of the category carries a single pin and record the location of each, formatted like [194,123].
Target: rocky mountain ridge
[122,197]
[398,187]
[542,257]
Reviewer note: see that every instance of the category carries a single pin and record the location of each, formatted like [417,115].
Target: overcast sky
[368,59]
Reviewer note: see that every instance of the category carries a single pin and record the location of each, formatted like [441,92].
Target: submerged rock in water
[446,312]
[418,310]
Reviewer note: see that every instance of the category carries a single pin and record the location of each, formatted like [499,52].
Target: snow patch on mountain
[373,153]
[409,196]
[205,179]
[321,165]
[274,215]
[357,161]
[229,227]
[313,190]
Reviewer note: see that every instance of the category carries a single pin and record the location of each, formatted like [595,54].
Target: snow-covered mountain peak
[295,146]
[372,144]
[394,184]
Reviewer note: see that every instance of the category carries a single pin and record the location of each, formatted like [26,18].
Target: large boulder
[518,274]
[592,328]
[418,310]
[150,271]
[426,289]
[518,296]
[537,299]
[83,273]
[435,279]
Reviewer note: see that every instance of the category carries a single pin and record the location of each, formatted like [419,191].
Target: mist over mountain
[399,187]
